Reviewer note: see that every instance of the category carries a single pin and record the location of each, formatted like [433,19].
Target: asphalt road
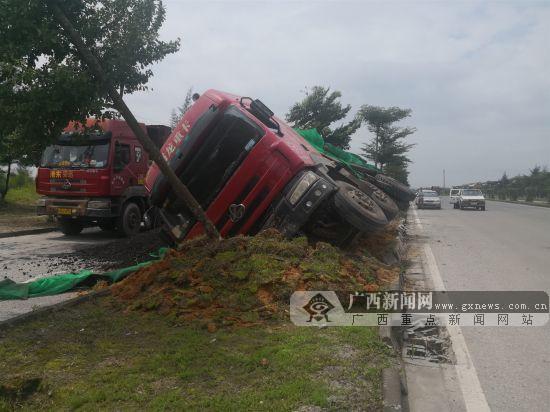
[23,258]
[506,247]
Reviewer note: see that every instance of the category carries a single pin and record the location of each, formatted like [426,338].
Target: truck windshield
[87,156]
[471,192]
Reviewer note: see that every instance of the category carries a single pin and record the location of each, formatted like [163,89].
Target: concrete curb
[394,386]
[46,310]
[391,390]
[28,232]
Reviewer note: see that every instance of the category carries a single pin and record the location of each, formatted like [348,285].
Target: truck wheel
[385,202]
[129,221]
[357,208]
[392,187]
[70,227]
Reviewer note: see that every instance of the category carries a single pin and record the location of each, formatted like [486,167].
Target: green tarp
[53,285]
[349,159]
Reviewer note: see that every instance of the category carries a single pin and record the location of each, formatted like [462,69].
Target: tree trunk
[94,65]
[8,174]
[376,138]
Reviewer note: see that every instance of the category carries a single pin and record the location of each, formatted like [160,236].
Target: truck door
[140,165]
[121,175]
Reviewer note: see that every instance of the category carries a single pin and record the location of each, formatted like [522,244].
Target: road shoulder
[446,386]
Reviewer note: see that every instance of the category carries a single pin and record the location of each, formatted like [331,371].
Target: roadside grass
[90,357]
[19,200]
[18,211]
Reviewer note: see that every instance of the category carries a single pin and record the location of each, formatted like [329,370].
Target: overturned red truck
[94,176]
[250,171]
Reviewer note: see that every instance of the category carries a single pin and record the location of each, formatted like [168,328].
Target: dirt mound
[244,280]
[379,243]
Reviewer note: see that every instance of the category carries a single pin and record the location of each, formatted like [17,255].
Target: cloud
[475,74]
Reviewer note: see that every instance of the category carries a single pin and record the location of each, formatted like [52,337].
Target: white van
[453,196]
[470,198]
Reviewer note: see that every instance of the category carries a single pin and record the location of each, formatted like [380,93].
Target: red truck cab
[249,170]
[95,177]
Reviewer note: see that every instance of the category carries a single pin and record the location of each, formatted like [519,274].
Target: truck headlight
[301,187]
[99,204]
[41,202]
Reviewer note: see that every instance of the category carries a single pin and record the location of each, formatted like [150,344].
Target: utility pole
[443,178]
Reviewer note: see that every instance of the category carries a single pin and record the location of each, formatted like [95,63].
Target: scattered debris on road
[429,343]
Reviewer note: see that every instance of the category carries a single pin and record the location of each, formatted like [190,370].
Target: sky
[475,74]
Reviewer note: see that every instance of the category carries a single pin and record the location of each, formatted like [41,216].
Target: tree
[319,109]
[388,149]
[187,102]
[43,84]
[15,149]
[398,171]
[107,44]
[174,119]
[88,57]
[504,179]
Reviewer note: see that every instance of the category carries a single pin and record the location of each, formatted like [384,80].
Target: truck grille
[249,210]
[239,199]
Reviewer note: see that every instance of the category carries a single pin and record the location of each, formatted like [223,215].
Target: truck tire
[70,227]
[357,208]
[385,202]
[392,187]
[129,221]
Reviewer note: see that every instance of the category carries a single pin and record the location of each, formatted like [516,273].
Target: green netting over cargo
[350,159]
[53,285]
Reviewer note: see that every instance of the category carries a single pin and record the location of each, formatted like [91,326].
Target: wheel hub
[361,199]
[133,220]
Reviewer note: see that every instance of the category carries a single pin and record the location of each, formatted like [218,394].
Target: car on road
[470,198]
[428,199]
[453,195]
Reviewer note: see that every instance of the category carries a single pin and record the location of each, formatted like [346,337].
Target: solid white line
[474,398]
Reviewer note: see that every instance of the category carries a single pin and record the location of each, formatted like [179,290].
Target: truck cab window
[122,156]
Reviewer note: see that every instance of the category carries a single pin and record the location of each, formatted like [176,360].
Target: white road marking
[474,398]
